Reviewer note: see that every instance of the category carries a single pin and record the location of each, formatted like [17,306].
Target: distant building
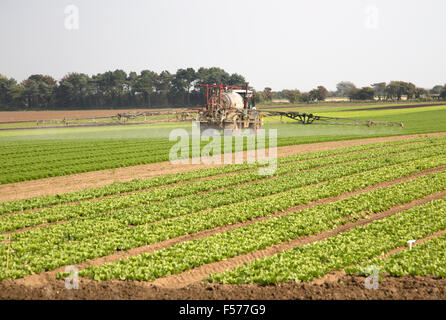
[280,101]
[337,99]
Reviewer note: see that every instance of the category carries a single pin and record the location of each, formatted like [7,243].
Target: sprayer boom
[308,118]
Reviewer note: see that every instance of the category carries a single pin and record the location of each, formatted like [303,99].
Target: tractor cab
[248,97]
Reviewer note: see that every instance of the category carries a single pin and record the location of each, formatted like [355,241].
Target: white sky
[276,43]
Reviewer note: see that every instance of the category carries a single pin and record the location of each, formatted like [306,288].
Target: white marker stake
[411,242]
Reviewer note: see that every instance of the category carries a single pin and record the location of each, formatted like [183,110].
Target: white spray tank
[232,100]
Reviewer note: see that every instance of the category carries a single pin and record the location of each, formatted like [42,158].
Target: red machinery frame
[221,87]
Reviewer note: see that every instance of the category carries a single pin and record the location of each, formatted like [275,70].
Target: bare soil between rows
[23,116]
[195,275]
[76,182]
[338,286]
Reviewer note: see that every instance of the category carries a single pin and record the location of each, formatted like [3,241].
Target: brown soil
[338,286]
[163,187]
[191,276]
[195,275]
[158,201]
[35,188]
[17,116]
[171,185]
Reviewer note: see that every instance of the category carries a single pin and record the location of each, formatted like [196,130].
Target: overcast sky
[276,43]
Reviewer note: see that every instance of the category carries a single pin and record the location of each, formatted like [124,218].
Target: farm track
[15,116]
[194,275]
[111,124]
[76,182]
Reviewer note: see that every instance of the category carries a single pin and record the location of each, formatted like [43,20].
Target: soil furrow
[197,274]
[47,276]
[261,178]
[75,182]
[178,197]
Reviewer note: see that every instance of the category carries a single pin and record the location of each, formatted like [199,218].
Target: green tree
[443,92]
[237,80]
[394,90]
[436,90]
[163,86]
[73,90]
[409,89]
[292,95]
[212,76]
[379,89]
[419,92]
[114,88]
[365,93]
[39,90]
[11,94]
[259,97]
[343,88]
[322,93]
[145,85]
[268,94]
[184,80]
[119,87]
[305,97]
[131,81]
[318,94]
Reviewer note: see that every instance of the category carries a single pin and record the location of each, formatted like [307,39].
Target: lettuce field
[330,213]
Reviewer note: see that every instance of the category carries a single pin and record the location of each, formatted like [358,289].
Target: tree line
[113,89]
[394,90]
[117,89]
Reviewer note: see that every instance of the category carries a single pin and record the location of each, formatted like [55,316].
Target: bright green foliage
[426,259]
[41,160]
[187,255]
[50,247]
[138,184]
[113,221]
[160,203]
[359,244]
